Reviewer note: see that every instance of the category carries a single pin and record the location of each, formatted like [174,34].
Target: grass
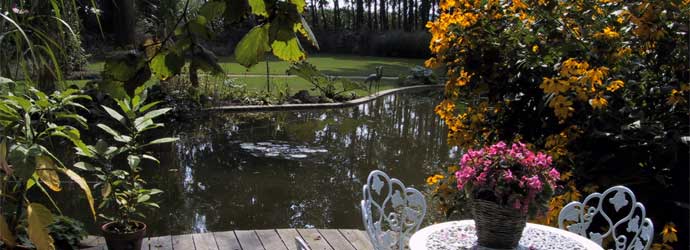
[331,64]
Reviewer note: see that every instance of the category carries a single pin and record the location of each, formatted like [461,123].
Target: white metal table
[457,235]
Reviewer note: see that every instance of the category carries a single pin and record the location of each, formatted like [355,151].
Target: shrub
[601,86]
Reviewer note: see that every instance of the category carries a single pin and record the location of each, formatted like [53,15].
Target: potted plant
[505,183]
[117,166]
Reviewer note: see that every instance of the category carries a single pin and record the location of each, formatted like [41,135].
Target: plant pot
[123,241]
[497,227]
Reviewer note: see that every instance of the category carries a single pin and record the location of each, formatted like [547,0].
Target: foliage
[165,57]
[509,175]
[327,85]
[67,232]
[38,41]
[122,187]
[31,126]
[587,81]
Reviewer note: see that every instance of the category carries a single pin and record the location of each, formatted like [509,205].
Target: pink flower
[481,179]
[534,183]
[508,176]
[554,174]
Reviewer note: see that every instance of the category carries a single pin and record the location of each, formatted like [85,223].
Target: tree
[124,22]
[382,15]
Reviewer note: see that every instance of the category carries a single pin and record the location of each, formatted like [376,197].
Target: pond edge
[249,108]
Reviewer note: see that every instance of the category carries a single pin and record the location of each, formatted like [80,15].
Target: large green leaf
[305,30]
[289,50]
[250,50]
[258,7]
[123,66]
[115,89]
[198,27]
[39,217]
[212,9]
[166,64]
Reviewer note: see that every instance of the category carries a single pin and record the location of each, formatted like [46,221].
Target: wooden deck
[269,239]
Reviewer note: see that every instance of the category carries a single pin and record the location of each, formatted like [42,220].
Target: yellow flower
[549,85]
[561,107]
[669,233]
[615,85]
[598,102]
[607,33]
[535,48]
[663,246]
[676,97]
[431,180]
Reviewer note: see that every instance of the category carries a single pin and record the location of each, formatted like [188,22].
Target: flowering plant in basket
[509,175]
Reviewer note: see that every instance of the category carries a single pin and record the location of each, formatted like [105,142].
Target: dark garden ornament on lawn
[505,183]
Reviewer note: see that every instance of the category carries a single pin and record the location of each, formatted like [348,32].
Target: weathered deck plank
[160,243]
[271,240]
[314,239]
[288,236]
[248,240]
[336,239]
[183,242]
[204,241]
[357,238]
[227,240]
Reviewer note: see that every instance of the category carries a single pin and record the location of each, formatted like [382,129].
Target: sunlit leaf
[251,49]
[258,7]
[84,186]
[115,115]
[162,140]
[289,50]
[300,4]
[166,64]
[39,217]
[305,30]
[45,167]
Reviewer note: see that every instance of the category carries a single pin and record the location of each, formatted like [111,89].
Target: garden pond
[289,169]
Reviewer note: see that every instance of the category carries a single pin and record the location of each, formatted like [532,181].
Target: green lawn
[332,64]
[296,84]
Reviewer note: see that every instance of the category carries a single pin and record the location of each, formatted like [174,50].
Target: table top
[454,235]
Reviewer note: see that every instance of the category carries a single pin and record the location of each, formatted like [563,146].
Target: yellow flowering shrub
[588,81]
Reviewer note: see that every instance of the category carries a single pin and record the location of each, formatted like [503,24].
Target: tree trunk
[405,13]
[323,14]
[376,20]
[124,22]
[424,13]
[336,15]
[369,22]
[382,15]
[359,15]
[314,16]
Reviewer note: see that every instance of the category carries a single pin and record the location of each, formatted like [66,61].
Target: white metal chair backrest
[632,231]
[391,212]
[301,245]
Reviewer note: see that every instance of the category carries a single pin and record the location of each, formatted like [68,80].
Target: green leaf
[115,115]
[123,65]
[114,88]
[149,157]
[166,64]
[133,161]
[300,4]
[143,198]
[162,140]
[212,9]
[108,130]
[198,27]
[84,186]
[258,7]
[289,50]
[148,106]
[251,49]
[84,166]
[39,217]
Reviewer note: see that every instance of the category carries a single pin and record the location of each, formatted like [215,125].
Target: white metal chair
[593,219]
[301,245]
[391,212]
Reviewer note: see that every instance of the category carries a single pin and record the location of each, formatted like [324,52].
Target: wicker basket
[497,227]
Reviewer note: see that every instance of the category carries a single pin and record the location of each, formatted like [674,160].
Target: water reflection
[293,169]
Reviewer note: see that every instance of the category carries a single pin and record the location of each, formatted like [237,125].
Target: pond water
[292,169]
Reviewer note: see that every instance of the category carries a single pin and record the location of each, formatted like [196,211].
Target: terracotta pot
[126,241]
